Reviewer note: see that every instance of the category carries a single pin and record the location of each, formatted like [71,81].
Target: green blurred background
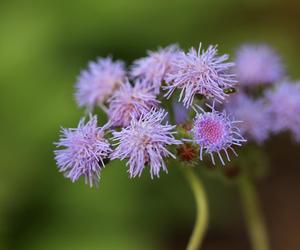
[43,46]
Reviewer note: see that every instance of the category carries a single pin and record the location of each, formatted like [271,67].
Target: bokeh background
[43,46]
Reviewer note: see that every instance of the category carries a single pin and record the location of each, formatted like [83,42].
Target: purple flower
[215,131]
[254,114]
[258,64]
[144,142]
[200,72]
[98,82]
[130,101]
[84,151]
[284,107]
[153,68]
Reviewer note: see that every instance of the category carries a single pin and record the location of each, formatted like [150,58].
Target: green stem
[202,209]
[253,215]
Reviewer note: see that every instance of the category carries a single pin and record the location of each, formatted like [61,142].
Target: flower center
[211,131]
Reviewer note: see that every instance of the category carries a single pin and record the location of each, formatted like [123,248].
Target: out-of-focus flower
[258,64]
[254,114]
[144,142]
[130,101]
[284,107]
[98,82]
[215,132]
[84,151]
[200,72]
[180,113]
[153,68]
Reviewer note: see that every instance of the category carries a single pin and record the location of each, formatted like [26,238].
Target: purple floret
[154,68]
[82,151]
[200,72]
[215,132]
[130,101]
[98,82]
[144,143]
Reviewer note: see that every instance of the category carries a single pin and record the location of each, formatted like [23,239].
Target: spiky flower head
[284,107]
[130,101]
[98,82]
[144,142]
[215,132]
[200,72]
[258,64]
[82,151]
[254,114]
[154,68]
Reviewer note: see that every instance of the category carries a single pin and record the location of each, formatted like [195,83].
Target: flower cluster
[266,102]
[138,130]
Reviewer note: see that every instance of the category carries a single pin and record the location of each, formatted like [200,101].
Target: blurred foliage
[43,46]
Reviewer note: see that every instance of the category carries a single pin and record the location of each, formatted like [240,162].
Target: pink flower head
[154,68]
[98,82]
[215,131]
[200,72]
[144,143]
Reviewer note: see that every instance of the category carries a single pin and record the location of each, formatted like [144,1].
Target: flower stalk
[253,215]
[202,215]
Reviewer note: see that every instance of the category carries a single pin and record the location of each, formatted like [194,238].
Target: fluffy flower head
[254,114]
[154,68]
[215,131]
[83,151]
[144,142]
[130,101]
[258,64]
[284,107]
[97,83]
[200,72]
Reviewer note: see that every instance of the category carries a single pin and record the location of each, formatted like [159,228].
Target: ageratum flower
[83,151]
[254,114]
[215,132]
[153,68]
[144,143]
[284,107]
[258,64]
[200,72]
[130,101]
[98,82]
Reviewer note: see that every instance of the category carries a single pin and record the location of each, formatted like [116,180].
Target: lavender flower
[84,151]
[97,83]
[258,64]
[201,72]
[144,143]
[153,68]
[254,114]
[284,106]
[215,131]
[130,101]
